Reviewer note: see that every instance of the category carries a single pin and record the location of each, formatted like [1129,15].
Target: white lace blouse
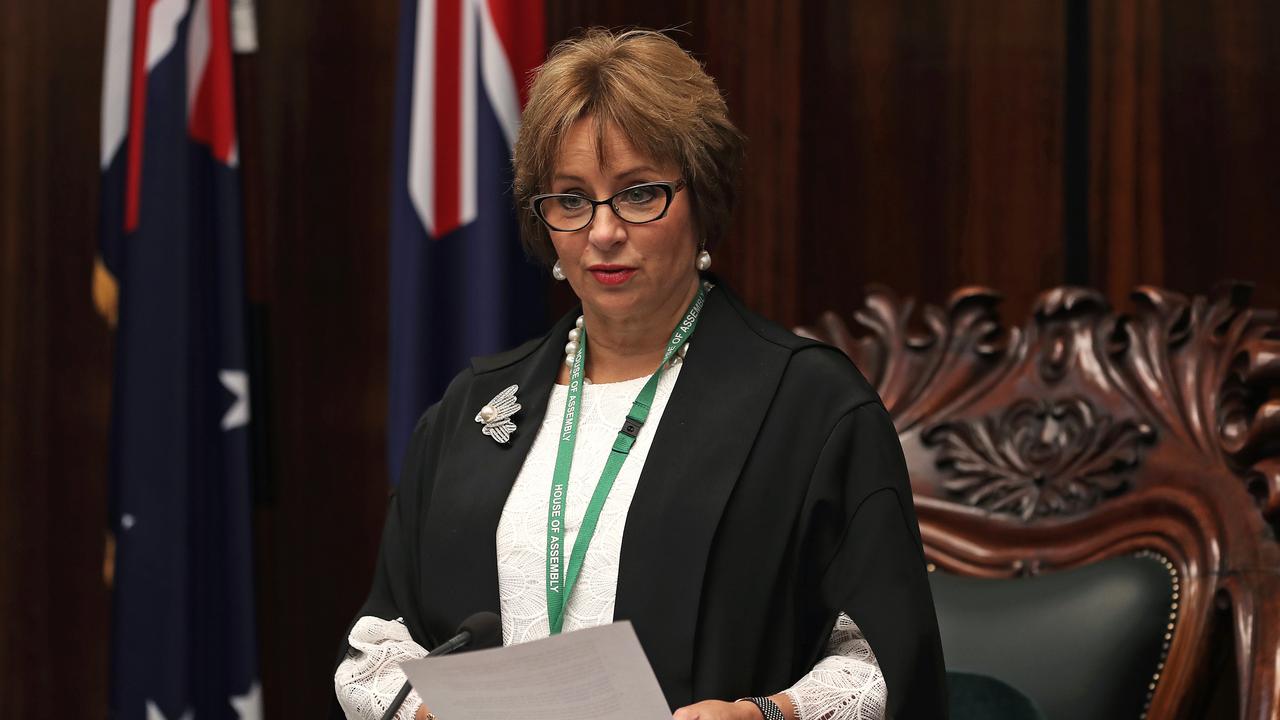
[844,685]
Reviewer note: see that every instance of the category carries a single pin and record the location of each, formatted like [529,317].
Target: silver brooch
[496,415]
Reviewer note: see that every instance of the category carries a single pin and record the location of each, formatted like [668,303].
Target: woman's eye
[640,195]
[571,203]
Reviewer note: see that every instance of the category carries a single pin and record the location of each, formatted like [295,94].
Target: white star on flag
[237,383]
[153,712]
[249,705]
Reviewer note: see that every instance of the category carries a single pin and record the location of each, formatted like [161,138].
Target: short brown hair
[656,94]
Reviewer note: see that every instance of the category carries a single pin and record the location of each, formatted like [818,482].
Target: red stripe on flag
[521,25]
[213,115]
[137,114]
[448,115]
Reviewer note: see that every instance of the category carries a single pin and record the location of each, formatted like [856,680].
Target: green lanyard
[560,579]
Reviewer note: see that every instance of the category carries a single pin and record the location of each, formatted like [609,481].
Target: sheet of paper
[596,674]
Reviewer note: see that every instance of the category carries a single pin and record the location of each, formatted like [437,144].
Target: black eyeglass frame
[669,188]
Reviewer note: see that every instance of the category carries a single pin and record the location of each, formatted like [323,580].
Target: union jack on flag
[460,284]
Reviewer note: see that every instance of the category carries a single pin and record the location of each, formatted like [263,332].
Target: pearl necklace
[571,348]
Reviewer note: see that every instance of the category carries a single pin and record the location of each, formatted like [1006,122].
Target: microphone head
[485,629]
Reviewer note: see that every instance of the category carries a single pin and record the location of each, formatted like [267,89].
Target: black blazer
[774,496]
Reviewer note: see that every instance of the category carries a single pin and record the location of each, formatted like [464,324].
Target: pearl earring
[703,263]
[556,272]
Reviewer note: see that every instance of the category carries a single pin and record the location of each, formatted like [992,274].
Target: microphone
[479,631]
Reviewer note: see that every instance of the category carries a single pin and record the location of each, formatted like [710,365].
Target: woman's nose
[607,229]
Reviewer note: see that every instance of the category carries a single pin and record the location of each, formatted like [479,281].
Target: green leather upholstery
[1081,643]
[980,697]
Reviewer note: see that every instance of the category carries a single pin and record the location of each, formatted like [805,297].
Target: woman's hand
[719,710]
[741,710]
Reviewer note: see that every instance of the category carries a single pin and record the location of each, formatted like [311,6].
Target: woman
[752,517]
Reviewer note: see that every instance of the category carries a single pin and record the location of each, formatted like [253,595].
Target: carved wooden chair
[1099,493]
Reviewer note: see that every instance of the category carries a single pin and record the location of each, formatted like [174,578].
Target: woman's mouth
[611,274]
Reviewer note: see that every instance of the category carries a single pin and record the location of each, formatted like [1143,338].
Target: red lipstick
[607,274]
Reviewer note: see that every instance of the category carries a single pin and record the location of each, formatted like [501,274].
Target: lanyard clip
[631,426]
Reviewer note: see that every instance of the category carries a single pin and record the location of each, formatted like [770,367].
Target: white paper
[596,674]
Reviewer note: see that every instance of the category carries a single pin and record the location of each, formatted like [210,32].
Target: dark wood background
[919,145]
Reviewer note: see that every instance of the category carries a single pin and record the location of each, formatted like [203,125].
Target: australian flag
[172,258]
[460,284]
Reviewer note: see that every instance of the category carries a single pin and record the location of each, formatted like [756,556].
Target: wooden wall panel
[755,51]
[1126,230]
[1183,179]
[1221,176]
[932,149]
[54,366]
[320,94]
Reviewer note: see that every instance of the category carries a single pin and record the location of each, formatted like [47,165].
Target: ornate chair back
[1126,467]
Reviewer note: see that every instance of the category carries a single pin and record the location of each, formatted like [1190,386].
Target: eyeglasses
[638,204]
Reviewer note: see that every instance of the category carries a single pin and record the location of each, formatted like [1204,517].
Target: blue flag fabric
[183,630]
[460,285]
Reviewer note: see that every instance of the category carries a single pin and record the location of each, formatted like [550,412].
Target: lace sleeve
[369,678]
[846,684]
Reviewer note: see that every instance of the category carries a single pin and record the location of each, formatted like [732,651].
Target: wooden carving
[1205,370]
[1085,433]
[1038,457]
[1209,370]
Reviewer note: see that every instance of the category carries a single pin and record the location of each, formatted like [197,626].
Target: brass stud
[1176,586]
